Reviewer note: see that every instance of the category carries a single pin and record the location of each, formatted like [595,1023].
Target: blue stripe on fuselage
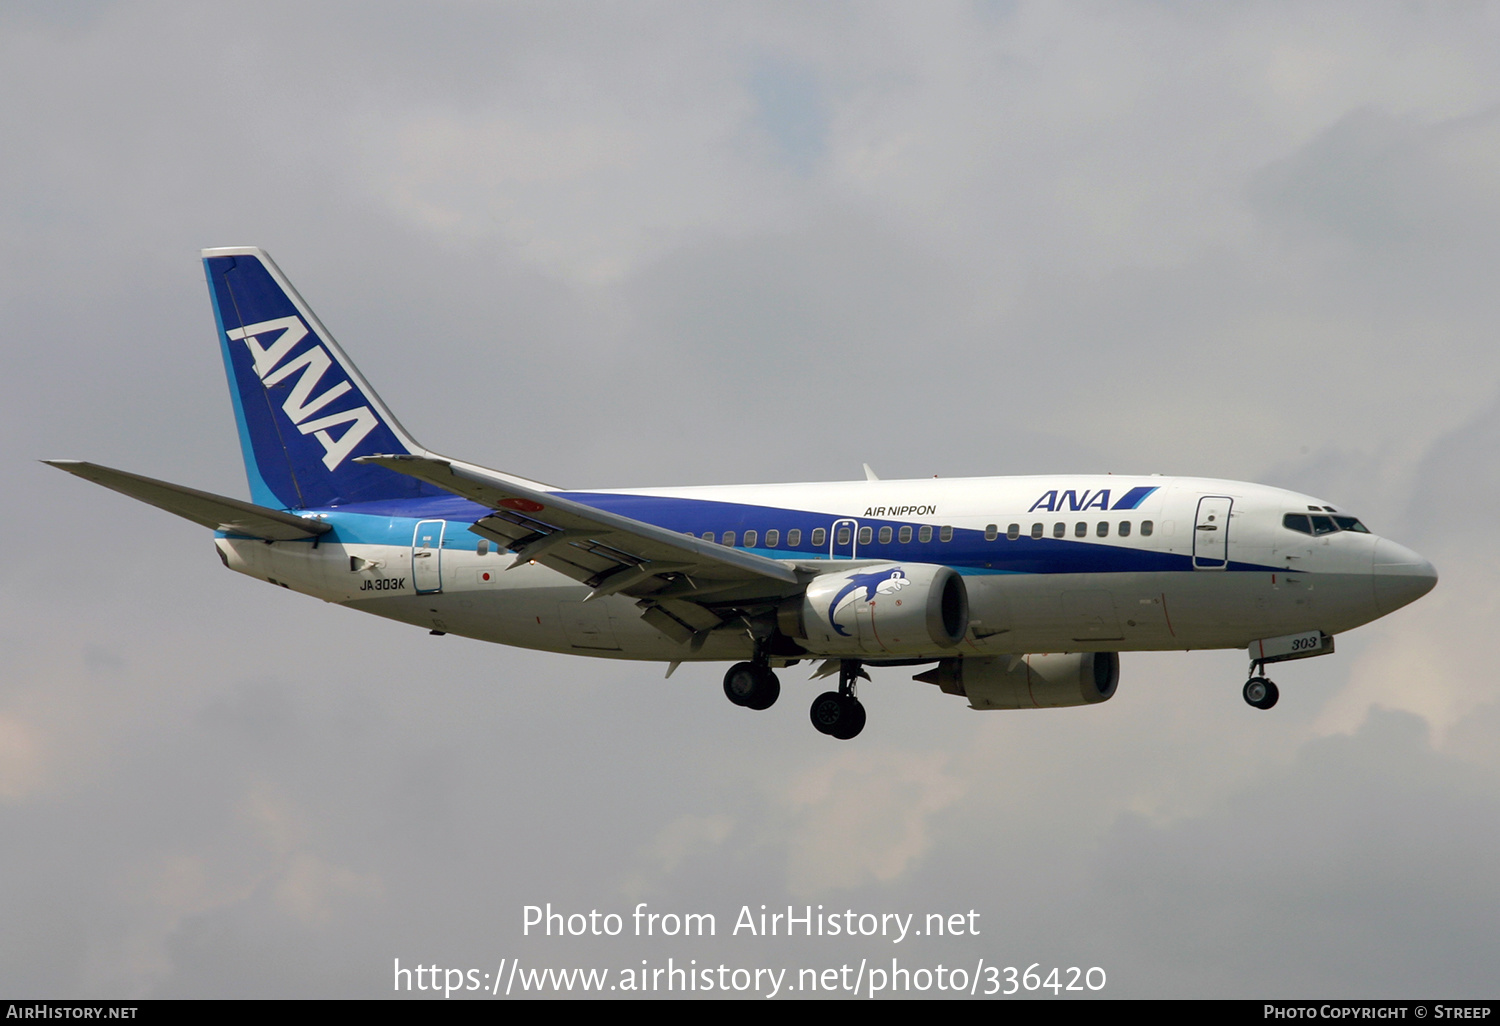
[391,522]
[1133,498]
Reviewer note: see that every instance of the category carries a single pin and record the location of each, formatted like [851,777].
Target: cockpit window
[1318,524]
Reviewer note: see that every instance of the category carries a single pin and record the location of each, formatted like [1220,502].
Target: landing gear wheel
[1261,693]
[752,686]
[840,716]
[767,689]
[827,709]
[854,720]
[739,682]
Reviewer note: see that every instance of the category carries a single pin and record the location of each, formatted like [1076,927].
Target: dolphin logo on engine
[882,582]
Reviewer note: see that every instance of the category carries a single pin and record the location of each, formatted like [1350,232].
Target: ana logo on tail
[301,404]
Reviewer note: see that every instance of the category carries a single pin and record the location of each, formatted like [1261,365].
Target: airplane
[1012,592]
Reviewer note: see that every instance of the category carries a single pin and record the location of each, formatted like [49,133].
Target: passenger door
[1211,533]
[427,556]
[843,539]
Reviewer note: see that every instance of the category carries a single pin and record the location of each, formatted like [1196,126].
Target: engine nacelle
[1031,681]
[884,609]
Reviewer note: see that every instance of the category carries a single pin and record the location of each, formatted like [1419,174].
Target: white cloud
[20,758]
[864,816]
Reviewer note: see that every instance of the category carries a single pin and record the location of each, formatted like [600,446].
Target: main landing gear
[839,713]
[1259,691]
[835,713]
[752,685]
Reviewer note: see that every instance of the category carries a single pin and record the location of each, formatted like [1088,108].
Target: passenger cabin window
[750,539]
[924,534]
[1124,528]
[483,548]
[773,537]
[991,532]
[905,534]
[864,535]
[819,535]
[1103,529]
[1036,530]
[1059,530]
[729,538]
[1146,528]
[842,538]
[1080,530]
[1013,532]
[885,536]
[794,538]
[946,534]
[708,536]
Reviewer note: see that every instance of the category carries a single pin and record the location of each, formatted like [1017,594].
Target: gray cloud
[661,244]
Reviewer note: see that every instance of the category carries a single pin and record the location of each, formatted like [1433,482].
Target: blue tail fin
[304,411]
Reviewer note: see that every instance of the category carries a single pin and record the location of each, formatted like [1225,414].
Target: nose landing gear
[839,713]
[1259,691]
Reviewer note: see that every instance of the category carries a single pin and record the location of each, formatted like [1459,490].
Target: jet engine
[879,609]
[1031,681]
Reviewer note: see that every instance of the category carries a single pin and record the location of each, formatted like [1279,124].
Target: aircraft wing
[218,512]
[686,585]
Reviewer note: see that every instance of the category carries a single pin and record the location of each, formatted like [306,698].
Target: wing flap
[603,540]
[680,581]
[216,512]
[676,578]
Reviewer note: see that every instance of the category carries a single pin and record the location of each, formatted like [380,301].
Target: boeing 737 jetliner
[1011,592]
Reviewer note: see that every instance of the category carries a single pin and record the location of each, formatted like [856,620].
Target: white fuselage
[1196,563]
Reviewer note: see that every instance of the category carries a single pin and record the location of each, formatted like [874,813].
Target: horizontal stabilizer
[217,512]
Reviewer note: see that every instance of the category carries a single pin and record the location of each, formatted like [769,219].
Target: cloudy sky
[668,243]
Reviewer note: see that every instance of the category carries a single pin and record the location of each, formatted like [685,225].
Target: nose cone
[1400,575]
